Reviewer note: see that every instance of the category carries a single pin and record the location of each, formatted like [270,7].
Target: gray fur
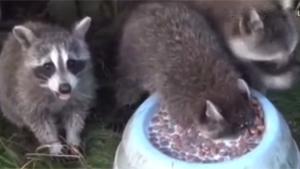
[26,104]
[266,76]
[271,39]
[170,49]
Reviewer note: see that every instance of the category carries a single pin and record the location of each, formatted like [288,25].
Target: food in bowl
[189,145]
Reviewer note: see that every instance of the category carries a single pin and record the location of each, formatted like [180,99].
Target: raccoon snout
[65,88]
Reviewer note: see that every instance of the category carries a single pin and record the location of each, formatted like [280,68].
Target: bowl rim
[139,131]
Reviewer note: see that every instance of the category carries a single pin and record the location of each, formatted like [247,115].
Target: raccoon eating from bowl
[46,81]
[171,49]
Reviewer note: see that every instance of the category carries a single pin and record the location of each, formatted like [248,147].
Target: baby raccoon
[170,49]
[266,50]
[257,31]
[46,80]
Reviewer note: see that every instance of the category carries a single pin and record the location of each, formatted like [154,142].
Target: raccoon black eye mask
[45,71]
[48,69]
[75,66]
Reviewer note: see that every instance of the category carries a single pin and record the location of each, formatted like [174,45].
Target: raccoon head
[55,57]
[216,125]
[269,35]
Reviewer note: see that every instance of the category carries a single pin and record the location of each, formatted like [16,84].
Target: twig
[29,155]
[27,163]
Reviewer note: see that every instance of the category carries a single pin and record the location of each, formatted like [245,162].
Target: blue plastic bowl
[277,149]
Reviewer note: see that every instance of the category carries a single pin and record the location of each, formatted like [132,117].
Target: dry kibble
[155,119]
[164,143]
[189,145]
[171,130]
[261,128]
[253,131]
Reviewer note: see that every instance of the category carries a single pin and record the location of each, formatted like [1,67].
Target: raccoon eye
[75,66]
[48,66]
[45,71]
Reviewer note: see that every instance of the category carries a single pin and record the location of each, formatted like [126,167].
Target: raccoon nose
[64,88]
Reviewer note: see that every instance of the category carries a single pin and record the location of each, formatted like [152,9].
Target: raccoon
[170,49]
[259,31]
[46,80]
[265,76]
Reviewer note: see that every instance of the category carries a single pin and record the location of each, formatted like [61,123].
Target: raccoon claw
[66,157]
[70,154]
[72,150]
[64,154]
[75,150]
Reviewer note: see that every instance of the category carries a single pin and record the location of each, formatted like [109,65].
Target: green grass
[101,142]
[100,145]
[289,104]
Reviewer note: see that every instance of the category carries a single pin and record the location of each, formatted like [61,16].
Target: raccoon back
[171,49]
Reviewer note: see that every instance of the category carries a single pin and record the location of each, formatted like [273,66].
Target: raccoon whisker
[53,93]
[46,86]
[85,95]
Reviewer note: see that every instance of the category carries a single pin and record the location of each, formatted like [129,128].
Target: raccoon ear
[23,35]
[212,112]
[243,86]
[255,22]
[82,27]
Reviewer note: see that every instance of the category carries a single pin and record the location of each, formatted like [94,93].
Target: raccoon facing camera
[171,49]
[46,76]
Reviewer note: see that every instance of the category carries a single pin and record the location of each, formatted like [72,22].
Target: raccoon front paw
[71,154]
[64,153]
[56,149]
[73,140]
